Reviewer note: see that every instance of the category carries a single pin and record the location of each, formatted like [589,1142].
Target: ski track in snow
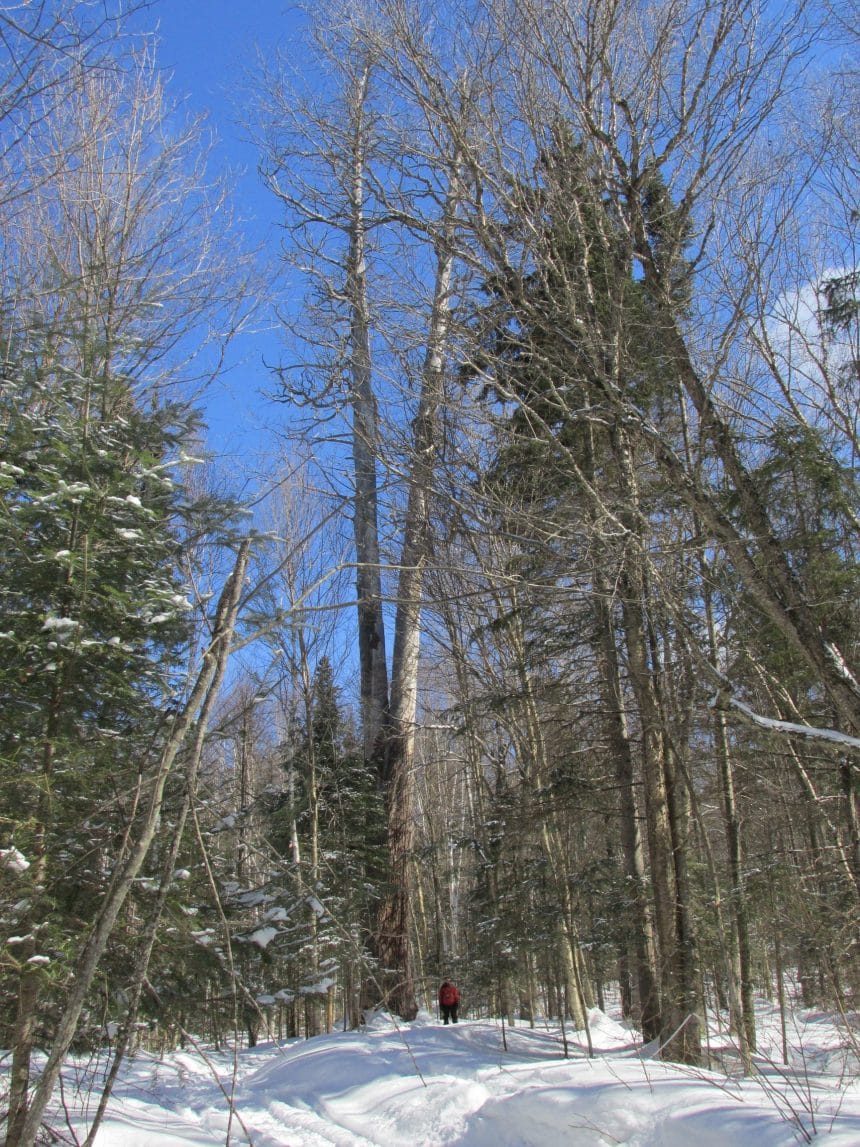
[425,1085]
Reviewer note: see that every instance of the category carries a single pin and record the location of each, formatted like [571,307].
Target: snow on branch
[13,860]
[725,702]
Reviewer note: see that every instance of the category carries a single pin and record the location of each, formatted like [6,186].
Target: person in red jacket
[449,1001]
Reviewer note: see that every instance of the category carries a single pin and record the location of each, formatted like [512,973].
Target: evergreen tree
[573,341]
[95,625]
[345,808]
[108,264]
[299,930]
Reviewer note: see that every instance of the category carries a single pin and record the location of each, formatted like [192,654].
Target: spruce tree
[572,339]
[109,272]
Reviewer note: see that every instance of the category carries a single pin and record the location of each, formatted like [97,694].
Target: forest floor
[479,1084]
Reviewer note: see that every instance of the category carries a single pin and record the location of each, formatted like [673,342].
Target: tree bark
[638,927]
[392,941]
[197,708]
[666,841]
[365,447]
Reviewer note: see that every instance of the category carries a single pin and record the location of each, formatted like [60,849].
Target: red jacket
[449,995]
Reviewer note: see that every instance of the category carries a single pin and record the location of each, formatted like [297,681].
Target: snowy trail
[425,1085]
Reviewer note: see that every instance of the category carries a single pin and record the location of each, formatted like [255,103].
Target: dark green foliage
[577,331]
[89,584]
[812,498]
[351,803]
[94,626]
[843,306]
[299,923]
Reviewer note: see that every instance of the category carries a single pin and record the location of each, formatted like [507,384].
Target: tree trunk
[365,444]
[739,936]
[143,955]
[666,839]
[392,939]
[735,940]
[25,1030]
[197,708]
[637,926]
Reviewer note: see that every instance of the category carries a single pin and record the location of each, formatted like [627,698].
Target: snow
[316,907]
[319,988]
[425,1085]
[253,898]
[59,625]
[795,729]
[262,937]
[13,860]
[276,914]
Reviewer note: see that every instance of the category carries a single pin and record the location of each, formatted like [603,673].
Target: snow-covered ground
[425,1085]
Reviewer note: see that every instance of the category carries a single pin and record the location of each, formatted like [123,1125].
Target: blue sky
[208,49]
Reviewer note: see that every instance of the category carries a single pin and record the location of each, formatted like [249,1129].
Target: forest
[533,661]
